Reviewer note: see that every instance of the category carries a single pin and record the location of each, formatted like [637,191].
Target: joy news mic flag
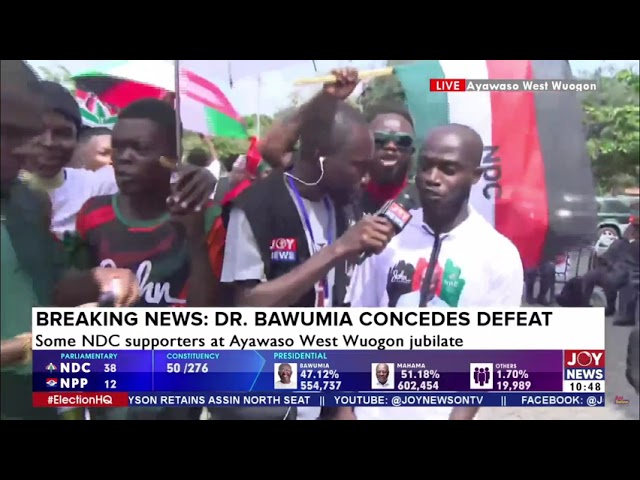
[538,189]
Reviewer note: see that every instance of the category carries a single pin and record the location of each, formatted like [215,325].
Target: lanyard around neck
[307,219]
[307,224]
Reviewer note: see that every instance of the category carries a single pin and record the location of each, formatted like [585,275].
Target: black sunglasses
[401,139]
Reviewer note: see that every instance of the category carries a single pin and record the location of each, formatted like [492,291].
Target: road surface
[616,383]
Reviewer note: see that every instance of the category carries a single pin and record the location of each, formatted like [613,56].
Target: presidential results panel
[321,371]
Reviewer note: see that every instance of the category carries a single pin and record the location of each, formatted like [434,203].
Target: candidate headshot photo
[382,376]
[285,375]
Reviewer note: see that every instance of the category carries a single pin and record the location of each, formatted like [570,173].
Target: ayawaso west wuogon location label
[484,85]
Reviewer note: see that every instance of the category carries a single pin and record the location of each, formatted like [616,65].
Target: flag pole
[177,107]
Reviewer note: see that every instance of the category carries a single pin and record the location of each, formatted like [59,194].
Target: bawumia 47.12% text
[319,374]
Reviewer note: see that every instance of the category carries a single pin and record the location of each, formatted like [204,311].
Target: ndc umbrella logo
[51,368]
[94,112]
[52,382]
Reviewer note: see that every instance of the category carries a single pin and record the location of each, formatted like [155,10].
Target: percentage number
[320,374]
[513,374]
[420,374]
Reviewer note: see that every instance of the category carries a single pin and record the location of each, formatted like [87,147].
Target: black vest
[272,214]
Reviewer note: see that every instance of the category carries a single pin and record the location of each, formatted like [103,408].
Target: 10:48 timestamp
[597,386]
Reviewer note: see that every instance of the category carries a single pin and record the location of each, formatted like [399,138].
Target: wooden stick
[364,75]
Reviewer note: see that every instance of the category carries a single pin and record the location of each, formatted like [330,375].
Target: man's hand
[121,282]
[345,84]
[16,350]
[192,189]
[193,223]
[370,235]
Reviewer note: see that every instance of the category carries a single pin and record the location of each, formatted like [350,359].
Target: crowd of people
[91,211]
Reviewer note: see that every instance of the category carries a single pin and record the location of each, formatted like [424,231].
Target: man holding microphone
[296,249]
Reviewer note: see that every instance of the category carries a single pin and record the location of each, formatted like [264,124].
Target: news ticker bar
[510,85]
[360,399]
[348,371]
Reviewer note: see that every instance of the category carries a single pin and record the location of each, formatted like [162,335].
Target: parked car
[614,213]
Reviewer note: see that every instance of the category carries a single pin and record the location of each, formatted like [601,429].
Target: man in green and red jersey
[137,229]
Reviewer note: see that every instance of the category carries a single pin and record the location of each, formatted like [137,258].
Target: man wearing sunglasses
[394,137]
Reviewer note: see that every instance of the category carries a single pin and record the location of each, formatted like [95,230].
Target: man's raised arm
[284,134]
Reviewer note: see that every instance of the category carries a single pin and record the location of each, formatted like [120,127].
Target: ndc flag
[538,188]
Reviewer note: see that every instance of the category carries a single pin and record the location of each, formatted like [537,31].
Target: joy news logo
[587,365]
[284,250]
[584,359]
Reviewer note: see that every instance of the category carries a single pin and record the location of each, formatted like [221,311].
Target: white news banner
[324,329]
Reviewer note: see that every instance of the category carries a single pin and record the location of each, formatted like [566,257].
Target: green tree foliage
[386,89]
[230,147]
[612,121]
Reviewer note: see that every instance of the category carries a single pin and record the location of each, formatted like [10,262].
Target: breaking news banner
[484,85]
[106,357]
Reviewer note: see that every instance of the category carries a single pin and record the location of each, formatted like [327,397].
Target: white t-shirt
[79,186]
[477,267]
[242,259]
[290,385]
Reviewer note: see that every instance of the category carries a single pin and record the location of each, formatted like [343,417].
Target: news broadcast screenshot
[318,240]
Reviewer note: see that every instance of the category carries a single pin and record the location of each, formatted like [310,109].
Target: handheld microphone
[396,212]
